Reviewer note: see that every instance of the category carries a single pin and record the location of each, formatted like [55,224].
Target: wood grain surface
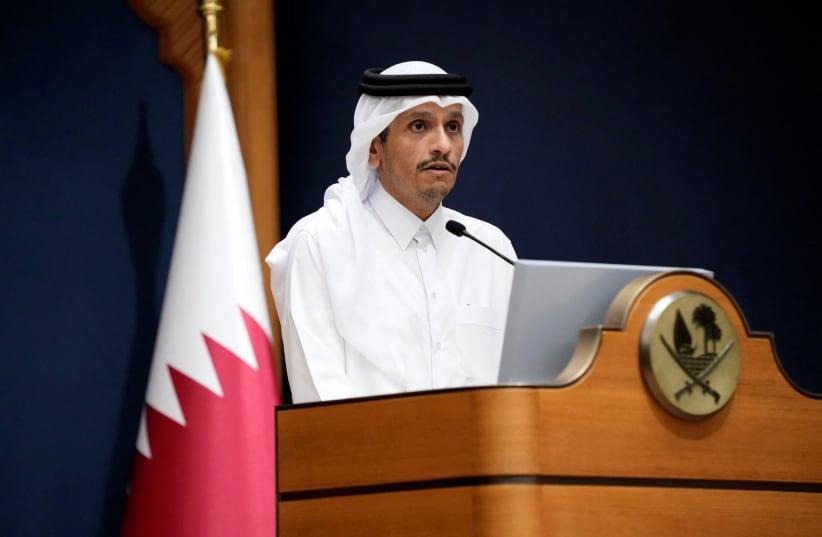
[606,424]
[525,511]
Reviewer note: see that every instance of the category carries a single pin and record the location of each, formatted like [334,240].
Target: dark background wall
[91,172]
[661,133]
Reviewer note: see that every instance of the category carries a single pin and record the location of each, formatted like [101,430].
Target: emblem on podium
[689,355]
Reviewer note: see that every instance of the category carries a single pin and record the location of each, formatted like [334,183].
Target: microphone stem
[473,238]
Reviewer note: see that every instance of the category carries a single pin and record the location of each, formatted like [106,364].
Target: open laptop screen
[550,302]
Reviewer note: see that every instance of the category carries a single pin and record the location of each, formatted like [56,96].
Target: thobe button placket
[426,255]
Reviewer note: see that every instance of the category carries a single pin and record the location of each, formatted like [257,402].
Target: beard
[437,192]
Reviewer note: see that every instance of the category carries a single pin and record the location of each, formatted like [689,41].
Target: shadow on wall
[144,213]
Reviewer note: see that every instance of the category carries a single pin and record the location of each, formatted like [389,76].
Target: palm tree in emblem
[714,335]
[705,318]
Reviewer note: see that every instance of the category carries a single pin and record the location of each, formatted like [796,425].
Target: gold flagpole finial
[210,10]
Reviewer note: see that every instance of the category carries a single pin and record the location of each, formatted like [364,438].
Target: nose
[441,142]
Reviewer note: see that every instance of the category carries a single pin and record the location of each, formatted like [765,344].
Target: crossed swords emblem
[701,378]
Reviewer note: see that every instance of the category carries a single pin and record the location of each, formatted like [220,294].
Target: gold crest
[690,355]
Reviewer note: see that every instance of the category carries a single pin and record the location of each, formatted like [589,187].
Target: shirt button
[433,296]
[439,346]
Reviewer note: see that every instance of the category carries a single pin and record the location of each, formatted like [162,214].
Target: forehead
[431,110]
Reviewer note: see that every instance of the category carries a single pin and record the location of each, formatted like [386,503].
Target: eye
[453,127]
[417,126]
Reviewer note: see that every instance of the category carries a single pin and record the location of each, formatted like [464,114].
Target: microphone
[459,230]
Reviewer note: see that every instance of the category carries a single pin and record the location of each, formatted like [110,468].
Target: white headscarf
[347,256]
[374,114]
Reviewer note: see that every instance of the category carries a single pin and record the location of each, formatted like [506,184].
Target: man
[373,294]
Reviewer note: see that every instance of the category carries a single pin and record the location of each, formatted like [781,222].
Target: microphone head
[455,227]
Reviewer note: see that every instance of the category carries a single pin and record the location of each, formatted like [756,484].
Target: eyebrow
[427,115]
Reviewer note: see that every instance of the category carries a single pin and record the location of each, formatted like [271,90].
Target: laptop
[550,302]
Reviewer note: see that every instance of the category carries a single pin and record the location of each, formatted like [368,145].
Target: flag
[205,449]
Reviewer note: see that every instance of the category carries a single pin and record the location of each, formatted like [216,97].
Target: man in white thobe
[373,294]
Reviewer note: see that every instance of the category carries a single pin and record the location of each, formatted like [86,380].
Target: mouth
[438,168]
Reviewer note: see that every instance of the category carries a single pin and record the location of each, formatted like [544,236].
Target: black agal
[374,83]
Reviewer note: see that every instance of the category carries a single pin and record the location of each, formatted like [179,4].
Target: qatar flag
[205,450]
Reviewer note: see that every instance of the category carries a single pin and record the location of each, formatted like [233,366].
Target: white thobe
[435,319]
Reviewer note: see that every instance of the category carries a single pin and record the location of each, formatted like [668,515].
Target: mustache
[437,159]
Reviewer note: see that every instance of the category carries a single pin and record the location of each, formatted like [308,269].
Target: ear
[374,152]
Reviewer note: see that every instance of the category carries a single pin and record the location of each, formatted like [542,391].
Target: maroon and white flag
[205,450]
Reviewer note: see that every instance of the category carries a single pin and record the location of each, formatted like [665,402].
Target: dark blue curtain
[91,172]
[664,133]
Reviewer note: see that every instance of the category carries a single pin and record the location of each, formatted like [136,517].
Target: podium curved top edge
[620,309]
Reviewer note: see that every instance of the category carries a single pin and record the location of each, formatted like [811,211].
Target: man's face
[418,160]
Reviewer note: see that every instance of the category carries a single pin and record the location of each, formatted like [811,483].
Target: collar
[436,227]
[402,223]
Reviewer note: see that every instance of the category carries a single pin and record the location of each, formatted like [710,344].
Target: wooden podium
[598,456]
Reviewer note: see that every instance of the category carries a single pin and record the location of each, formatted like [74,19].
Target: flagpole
[210,10]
